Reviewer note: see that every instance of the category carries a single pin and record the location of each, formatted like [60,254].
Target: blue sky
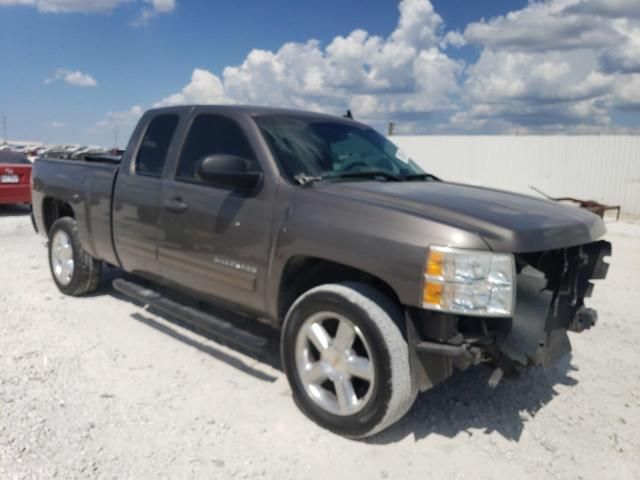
[77,70]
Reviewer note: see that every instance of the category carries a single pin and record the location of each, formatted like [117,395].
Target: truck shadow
[462,404]
[204,348]
[466,403]
[269,355]
[14,210]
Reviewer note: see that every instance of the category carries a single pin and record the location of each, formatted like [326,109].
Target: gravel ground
[99,387]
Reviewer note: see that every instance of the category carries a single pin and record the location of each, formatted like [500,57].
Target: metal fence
[601,168]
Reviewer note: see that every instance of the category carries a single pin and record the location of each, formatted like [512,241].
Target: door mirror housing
[229,171]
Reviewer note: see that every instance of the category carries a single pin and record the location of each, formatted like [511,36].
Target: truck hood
[507,222]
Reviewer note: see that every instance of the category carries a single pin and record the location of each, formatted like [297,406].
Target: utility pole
[4,129]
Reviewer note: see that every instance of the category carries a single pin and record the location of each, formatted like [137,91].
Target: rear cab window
[153,150]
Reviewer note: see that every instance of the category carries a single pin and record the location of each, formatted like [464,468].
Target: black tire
[377,318]
[86,272]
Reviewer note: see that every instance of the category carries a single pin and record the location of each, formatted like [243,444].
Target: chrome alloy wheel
[334,363]
[62,263]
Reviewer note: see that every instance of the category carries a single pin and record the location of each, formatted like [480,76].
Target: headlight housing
[469,282]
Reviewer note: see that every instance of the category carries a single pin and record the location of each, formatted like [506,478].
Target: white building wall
[601,168]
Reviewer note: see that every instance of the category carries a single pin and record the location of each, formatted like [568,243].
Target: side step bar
[441,349]
[190,315]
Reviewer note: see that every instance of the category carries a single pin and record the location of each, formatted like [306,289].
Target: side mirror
[229,171]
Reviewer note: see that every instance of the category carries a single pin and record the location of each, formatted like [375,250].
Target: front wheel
[346,359]
[74,271]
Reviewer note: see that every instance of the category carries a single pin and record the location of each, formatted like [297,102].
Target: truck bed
[88,188]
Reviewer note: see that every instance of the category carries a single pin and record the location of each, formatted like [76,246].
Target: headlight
[469,282]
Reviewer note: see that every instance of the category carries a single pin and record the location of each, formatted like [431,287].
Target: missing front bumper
[551,288]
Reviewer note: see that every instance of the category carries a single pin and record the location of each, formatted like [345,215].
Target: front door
[215,240]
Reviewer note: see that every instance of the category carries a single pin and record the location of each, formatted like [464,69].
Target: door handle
[175,205]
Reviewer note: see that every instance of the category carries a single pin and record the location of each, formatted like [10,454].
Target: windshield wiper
[368,174]
[421,176]
[305,180]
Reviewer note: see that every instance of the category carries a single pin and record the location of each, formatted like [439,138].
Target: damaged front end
[550,290]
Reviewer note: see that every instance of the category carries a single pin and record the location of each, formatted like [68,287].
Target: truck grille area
[551,288]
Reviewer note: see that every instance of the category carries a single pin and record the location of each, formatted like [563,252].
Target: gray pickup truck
[383,279]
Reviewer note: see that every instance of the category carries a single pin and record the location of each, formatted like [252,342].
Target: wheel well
[53,209]
[304,273]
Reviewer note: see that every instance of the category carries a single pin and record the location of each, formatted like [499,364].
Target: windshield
[307,146]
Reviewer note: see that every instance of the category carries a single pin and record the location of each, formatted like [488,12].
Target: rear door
[138,195]
[215,240]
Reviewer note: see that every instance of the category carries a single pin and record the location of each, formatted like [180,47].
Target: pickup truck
[383,279]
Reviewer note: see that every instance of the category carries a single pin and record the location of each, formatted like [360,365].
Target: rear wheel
[74,271]
[346,360]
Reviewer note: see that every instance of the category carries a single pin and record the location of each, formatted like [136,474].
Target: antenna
[4,129]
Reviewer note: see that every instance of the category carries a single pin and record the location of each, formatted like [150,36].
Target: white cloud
[162,6]
[625,55]
[11,3]
[372,75]
[66,6]
[626,94]
[154,8]
[556,65]
[205,87]
[543,26]
[150,9]
[606,8]
[453,38]
[419,25]
[56,124]
[126,119]
[552,66]
[116,126]
[612,26]
[535,77]
[75,78]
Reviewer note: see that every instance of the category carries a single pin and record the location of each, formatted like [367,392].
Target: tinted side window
[211,135]
[155,144]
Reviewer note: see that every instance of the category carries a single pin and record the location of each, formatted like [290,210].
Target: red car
[15,178]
